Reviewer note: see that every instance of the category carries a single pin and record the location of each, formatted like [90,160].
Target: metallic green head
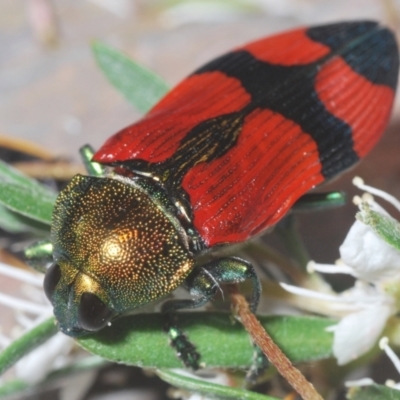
[114,248]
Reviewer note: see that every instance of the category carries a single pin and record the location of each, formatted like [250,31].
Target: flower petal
[371,258]
[357,333]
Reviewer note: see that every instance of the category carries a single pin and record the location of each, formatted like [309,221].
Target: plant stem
[262,339]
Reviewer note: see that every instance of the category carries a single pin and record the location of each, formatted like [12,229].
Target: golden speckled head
[115,248]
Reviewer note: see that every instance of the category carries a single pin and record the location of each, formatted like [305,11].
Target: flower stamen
[359,182]
[384,345]
[338,268]
[297,290]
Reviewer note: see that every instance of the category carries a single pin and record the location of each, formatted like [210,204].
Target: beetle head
[114,249]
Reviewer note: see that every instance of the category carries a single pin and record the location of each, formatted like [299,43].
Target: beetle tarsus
[258,366]
[185,350]
[203,285]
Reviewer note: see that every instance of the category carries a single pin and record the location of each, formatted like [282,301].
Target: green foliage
[140,86]
[26,343]
[140,340]
[14,222]
[24,196]
[373,392]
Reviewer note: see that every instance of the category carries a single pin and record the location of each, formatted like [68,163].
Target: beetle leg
[93,168]
[320,201]
[205,282]
[185,350]
[259,365]
[39,254]
[203,285]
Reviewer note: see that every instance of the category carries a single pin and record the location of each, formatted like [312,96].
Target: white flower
[365,308]
[370,258]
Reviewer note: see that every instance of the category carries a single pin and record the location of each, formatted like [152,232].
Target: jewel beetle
[221,158]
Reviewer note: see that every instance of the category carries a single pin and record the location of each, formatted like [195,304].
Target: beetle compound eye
[93,314]
[52,277]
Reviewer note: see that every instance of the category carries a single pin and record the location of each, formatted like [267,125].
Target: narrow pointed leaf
[140,339]
[32,202]
[25,195]
[141,87]
[12,175]
[13,222]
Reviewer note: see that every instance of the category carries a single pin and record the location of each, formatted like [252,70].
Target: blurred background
[53,94]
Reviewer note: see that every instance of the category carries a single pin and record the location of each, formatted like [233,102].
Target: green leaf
[28,201]
[12,175]
[10,221]
[141,87]
[13,222]
[26,343]
[373,392]
[25,196]
[140,339]
[385,226]
[210,390]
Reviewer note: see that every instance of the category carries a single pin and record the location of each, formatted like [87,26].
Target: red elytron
[246,135]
